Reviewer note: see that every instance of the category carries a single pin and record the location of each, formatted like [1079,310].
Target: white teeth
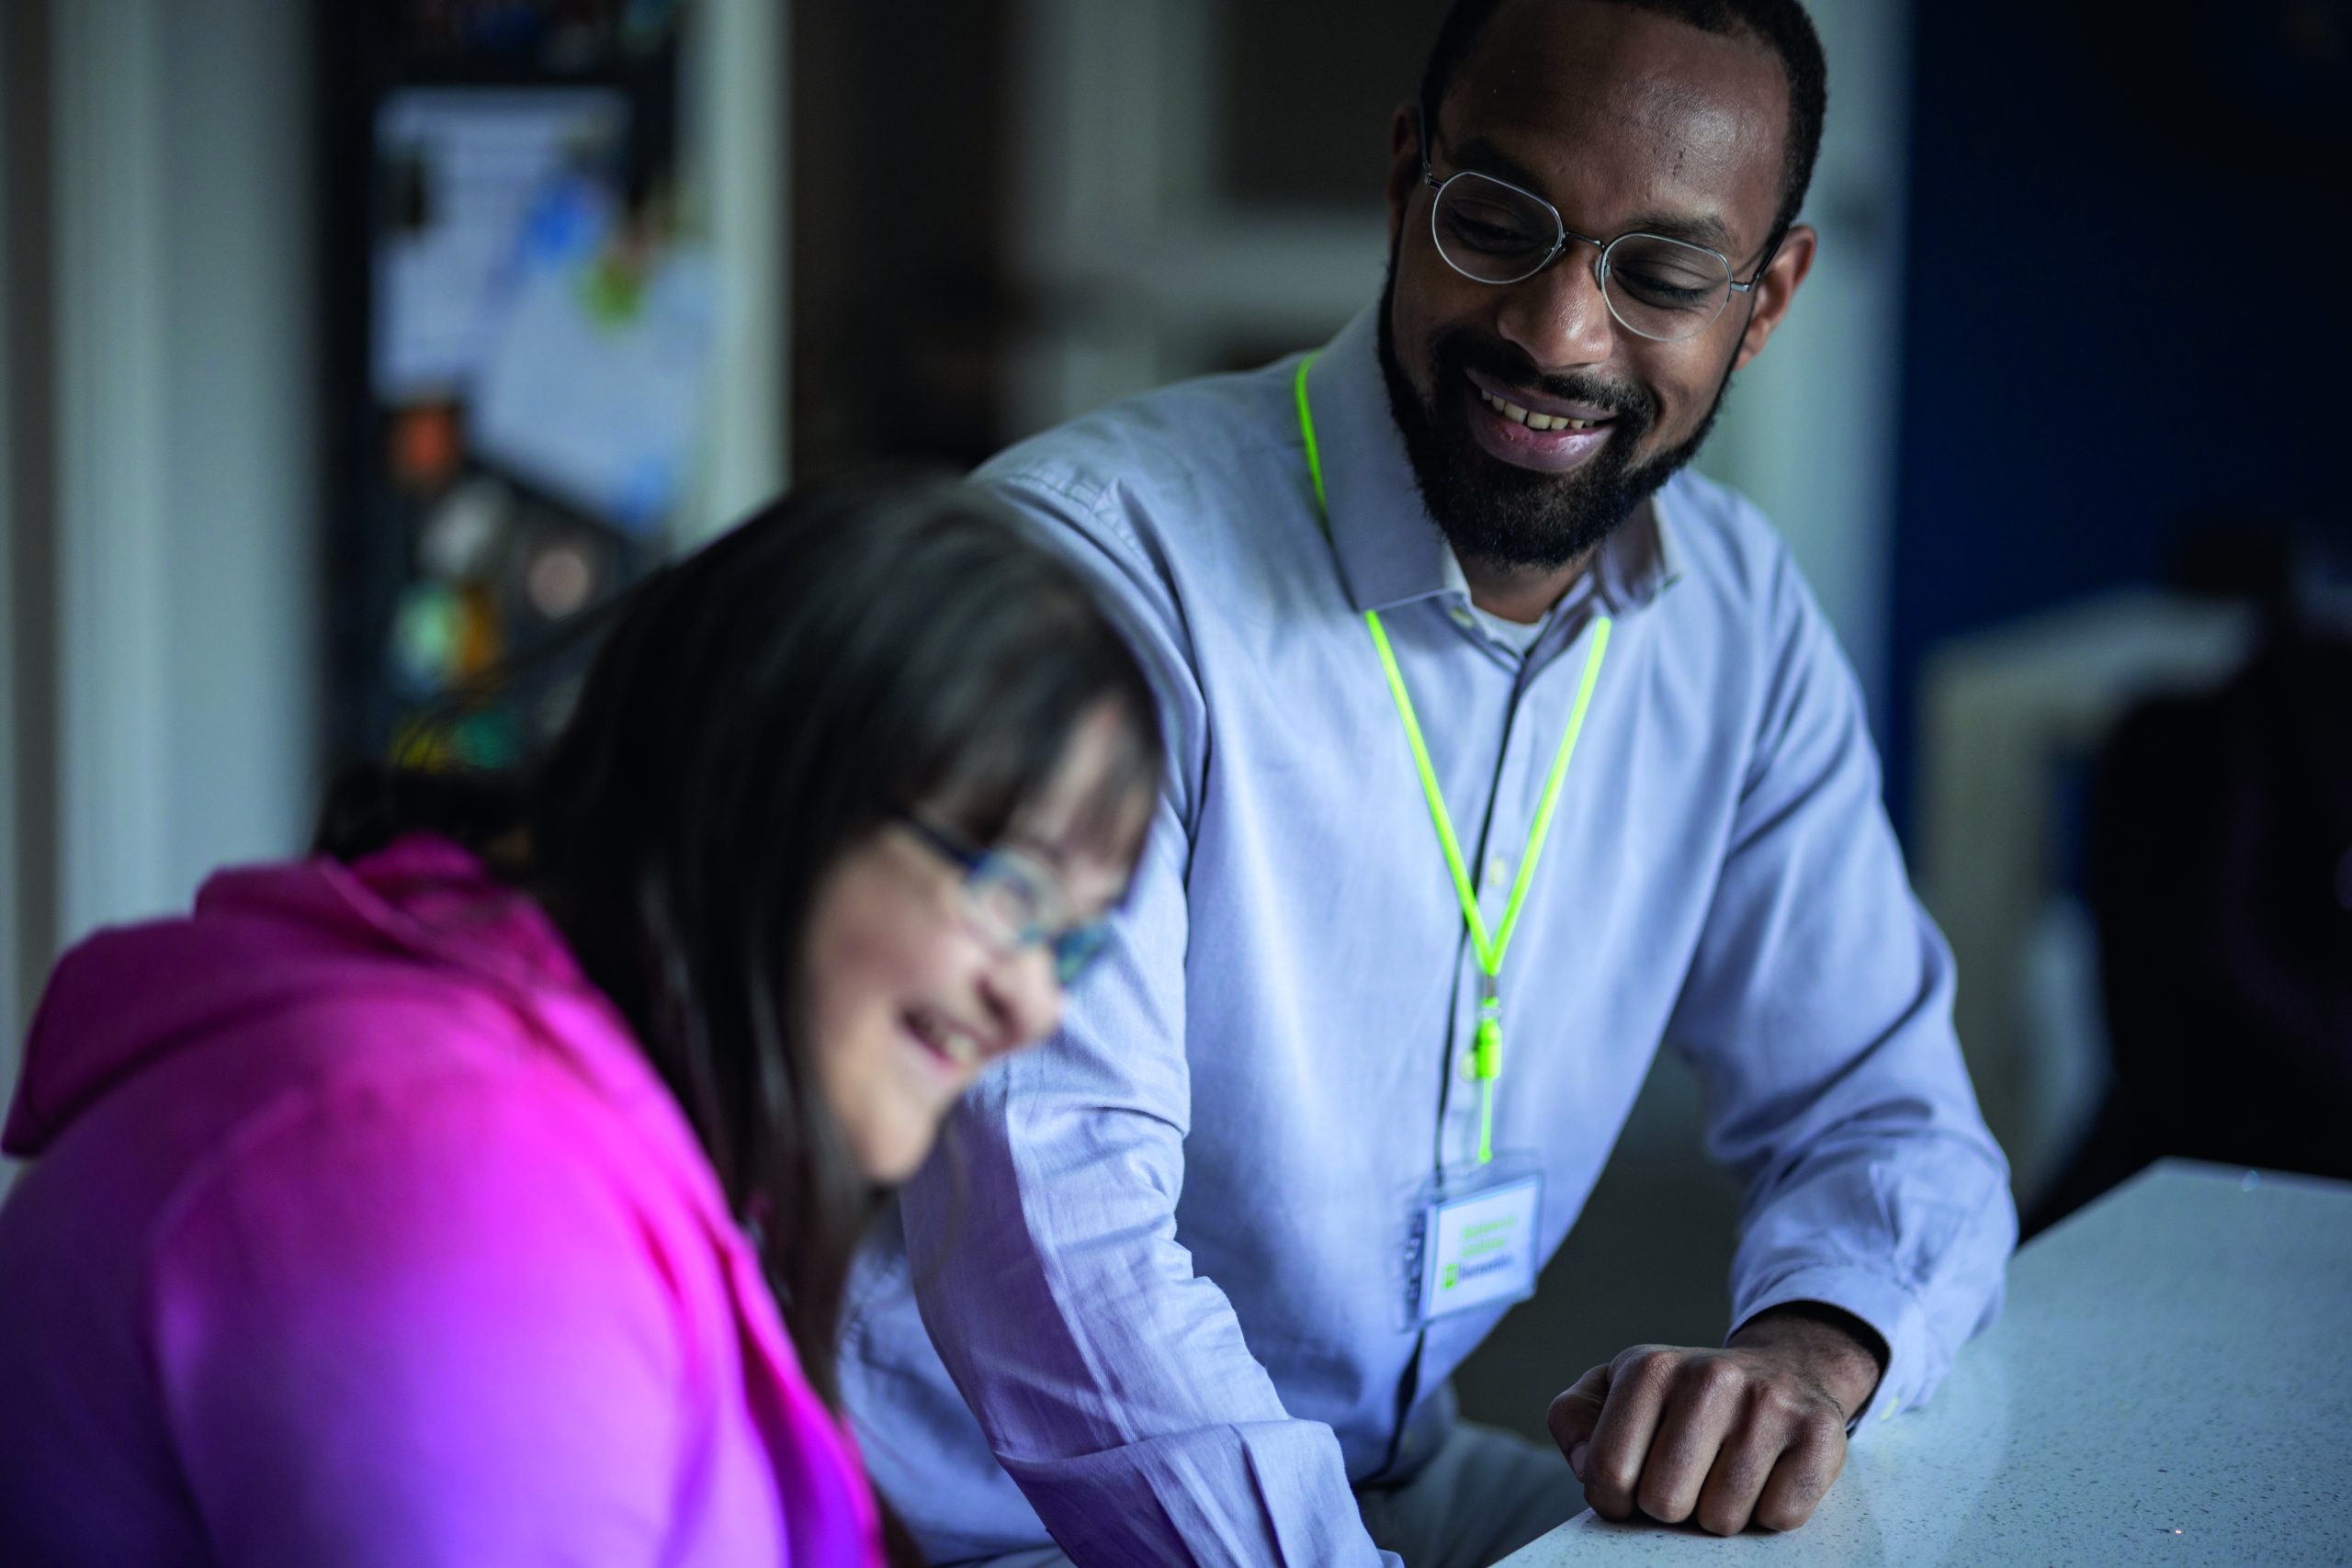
[1512,411]
[955,1044]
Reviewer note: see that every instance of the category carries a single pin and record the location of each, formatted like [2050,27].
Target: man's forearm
[1840,1352]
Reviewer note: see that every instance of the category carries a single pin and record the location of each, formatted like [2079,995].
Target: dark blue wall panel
[2129,299]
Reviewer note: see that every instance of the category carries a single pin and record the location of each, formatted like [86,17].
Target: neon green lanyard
[1487,1049]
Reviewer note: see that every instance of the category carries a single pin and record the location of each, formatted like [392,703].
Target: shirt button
[1497,871]
[1461,614]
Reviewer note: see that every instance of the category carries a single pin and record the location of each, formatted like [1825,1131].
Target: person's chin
[891,1121]
[888,1155]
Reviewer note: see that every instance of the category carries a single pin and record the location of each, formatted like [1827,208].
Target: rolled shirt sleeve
[1817,1010]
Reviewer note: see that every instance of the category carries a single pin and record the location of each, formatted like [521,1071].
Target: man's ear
[1777,290]
[1404,165]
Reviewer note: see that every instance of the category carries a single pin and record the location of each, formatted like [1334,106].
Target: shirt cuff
[1886,1306]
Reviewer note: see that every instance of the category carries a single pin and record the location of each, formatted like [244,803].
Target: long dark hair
[759,708]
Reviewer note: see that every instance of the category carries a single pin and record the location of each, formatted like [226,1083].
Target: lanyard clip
[1486,1046]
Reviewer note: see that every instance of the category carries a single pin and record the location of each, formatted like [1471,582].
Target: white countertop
[2170,1383]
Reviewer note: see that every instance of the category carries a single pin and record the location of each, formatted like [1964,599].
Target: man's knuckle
[1653,1366]
[1571,1413]
[1722,1519]
[1718,1378]
[1610,1499]
[1619,1477]
[1663,1502]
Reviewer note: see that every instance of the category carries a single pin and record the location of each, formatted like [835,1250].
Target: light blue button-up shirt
[1163,1255]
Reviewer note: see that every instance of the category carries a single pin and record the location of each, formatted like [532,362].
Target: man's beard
[1509,517]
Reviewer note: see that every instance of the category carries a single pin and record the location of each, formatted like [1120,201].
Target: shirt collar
[1390,551]
[1642,561]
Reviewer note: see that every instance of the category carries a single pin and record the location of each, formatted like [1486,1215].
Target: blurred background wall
[160,454]
[205,492]
[2049,431]
[2117,439]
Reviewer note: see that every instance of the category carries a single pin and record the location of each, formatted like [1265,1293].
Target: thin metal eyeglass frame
[1560,245]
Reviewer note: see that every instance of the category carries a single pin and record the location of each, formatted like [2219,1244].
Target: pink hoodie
[359,1230]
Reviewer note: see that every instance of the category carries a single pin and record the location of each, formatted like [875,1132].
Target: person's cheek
[859,1040]
[1413,319]
[921,963]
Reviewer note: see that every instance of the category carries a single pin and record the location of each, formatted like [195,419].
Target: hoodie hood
[365,993]
[263,938]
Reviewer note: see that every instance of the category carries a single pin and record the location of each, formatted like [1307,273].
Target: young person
[430,1201]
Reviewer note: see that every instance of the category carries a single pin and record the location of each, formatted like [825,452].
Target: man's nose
[1559,317]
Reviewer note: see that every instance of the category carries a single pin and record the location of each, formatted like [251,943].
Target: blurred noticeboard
[534,332]
[594,372]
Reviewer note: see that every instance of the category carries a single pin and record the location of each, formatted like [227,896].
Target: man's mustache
[1457,352]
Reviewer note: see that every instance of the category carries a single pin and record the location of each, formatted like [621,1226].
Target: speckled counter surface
[2171,1383]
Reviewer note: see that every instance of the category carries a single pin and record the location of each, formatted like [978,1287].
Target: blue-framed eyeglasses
[1012,901]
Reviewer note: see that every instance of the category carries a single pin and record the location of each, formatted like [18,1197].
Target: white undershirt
[1517,636]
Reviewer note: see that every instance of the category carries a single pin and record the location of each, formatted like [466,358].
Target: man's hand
[1752,1433]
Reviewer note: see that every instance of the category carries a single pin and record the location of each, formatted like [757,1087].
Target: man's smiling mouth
[1529,430]
[1536,411]
[1533,421]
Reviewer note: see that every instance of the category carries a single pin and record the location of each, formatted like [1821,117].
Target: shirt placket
[1514,790]
[1501,833]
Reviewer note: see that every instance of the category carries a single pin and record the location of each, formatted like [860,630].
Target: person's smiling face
[908,999]
[1624,120]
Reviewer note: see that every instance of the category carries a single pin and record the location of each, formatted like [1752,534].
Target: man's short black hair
[1780,25]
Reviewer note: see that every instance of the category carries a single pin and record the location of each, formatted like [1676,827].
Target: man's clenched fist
[1753,1433]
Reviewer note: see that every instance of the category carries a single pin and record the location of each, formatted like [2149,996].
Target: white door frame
[738,56]
[180,504]
[107,260]
[15,79]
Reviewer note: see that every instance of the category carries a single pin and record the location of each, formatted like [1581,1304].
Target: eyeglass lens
[1008,899]
[1013,903]
[1658,287]
[1076,950]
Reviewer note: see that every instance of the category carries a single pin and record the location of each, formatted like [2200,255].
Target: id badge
[1474,1240]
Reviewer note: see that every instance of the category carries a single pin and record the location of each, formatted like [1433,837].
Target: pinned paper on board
[593,387]
[464,169]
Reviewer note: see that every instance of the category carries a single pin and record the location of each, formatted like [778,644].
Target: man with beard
[1506,751]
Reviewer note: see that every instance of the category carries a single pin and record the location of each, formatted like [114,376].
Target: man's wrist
[1843,1355]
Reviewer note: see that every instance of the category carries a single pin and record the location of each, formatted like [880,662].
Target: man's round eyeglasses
[1492,232]
[1011,901]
